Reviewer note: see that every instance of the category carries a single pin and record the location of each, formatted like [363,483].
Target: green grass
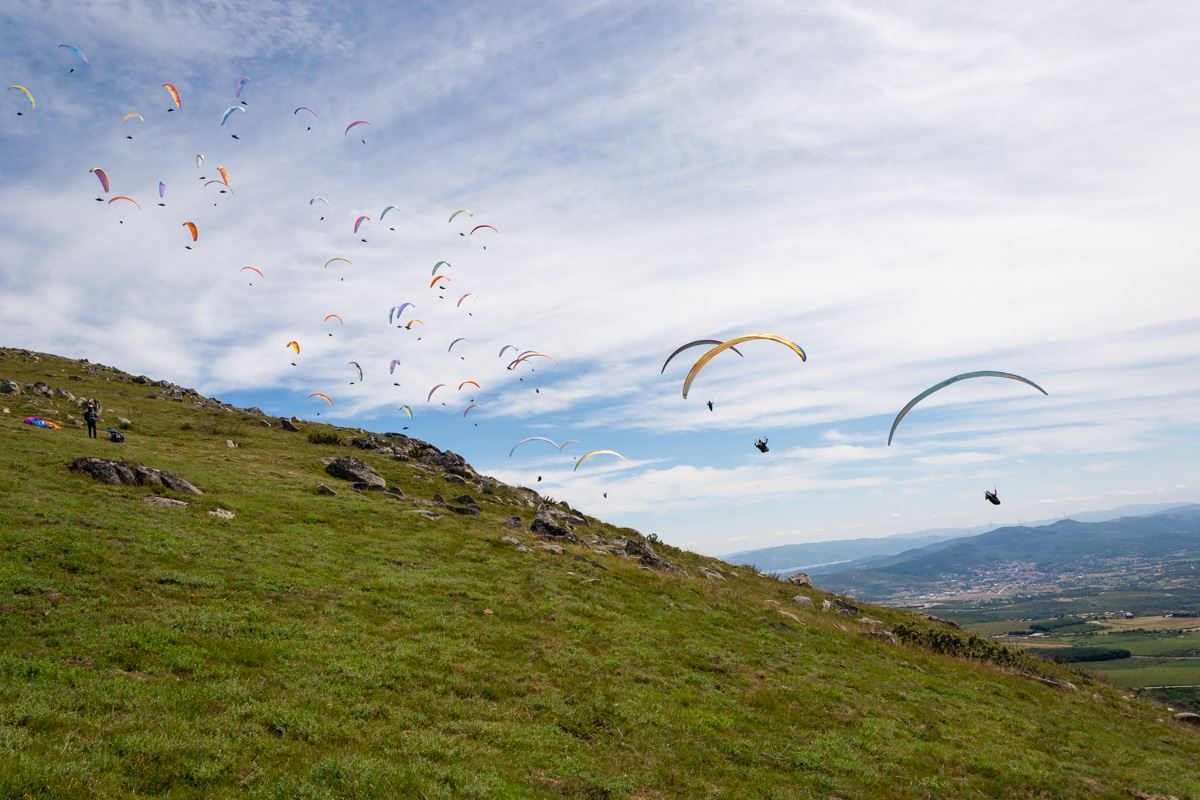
[335,647]
[1148,672]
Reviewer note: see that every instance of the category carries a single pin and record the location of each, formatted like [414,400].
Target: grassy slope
[335,647]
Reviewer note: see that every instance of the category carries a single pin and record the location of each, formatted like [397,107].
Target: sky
[907,190]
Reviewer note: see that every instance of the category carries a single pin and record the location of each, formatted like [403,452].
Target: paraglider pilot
[90,415]
[761,444]
[992,497]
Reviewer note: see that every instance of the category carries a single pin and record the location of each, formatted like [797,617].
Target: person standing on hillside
[90,415]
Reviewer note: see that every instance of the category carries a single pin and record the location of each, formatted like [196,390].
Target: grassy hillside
[341,646]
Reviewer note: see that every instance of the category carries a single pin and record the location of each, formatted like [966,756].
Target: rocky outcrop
[1188,718]
[550,523]
[10,387]
[800,579]
[288,425]
[645,554]
[118,472]
[513,523]
[839,607]
[355,470]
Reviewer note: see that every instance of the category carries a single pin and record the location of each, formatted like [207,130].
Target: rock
[881,635]
[800,579]
[1188,718]
[146,476]
[163,502]
[74,377]
[552,548]
[523,549]
[840,607]
[10,387]
[551,523]
[140,379]
[466,510]
[230,443]
[425,514]
[221,513]
[510,540]
[711,574]
[177,394]
[944,622]
[64,394]
[789,615]
[124,424]
[349,468]
[4,410]
[802,600]
[363,486]
[264,423]
[394,492]
[438,499]
[466,500]
[450,477]
[646,555]
[512,523]
[104,470]
[870,622]
[288,425]
[325,490]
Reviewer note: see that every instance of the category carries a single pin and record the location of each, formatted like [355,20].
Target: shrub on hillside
[950,642]
[325,437]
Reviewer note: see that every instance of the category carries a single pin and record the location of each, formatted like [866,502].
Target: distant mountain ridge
[1025,553]
[836,556]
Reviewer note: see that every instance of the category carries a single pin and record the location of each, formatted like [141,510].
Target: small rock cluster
[119,472]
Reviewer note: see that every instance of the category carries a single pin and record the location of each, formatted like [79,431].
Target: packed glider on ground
[438,265]
[191,226]
[100,176]
[324,397]
[352,124]
[690,345]
[28,94]
[588,455]
[126,198]
[171,90]
[357,368]
[550,442]
[713,353]
[429,396]
[459,211]
[295,346]
[253,269]
[939,386]
[229,113]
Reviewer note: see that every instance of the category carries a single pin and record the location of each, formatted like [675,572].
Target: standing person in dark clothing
[90,415]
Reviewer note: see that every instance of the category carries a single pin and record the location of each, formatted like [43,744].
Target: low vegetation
[270,641]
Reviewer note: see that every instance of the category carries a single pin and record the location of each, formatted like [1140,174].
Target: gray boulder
[288,425]
[472,511]
[163,502]
[450,477]
[349,468]
[104,470]
[800,579]
[802,600]
[325,490]
[10,387]
[124,424]
[1188,718]
[64,394]
[646,555]
[510,540]
[549,523]
[512,523]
